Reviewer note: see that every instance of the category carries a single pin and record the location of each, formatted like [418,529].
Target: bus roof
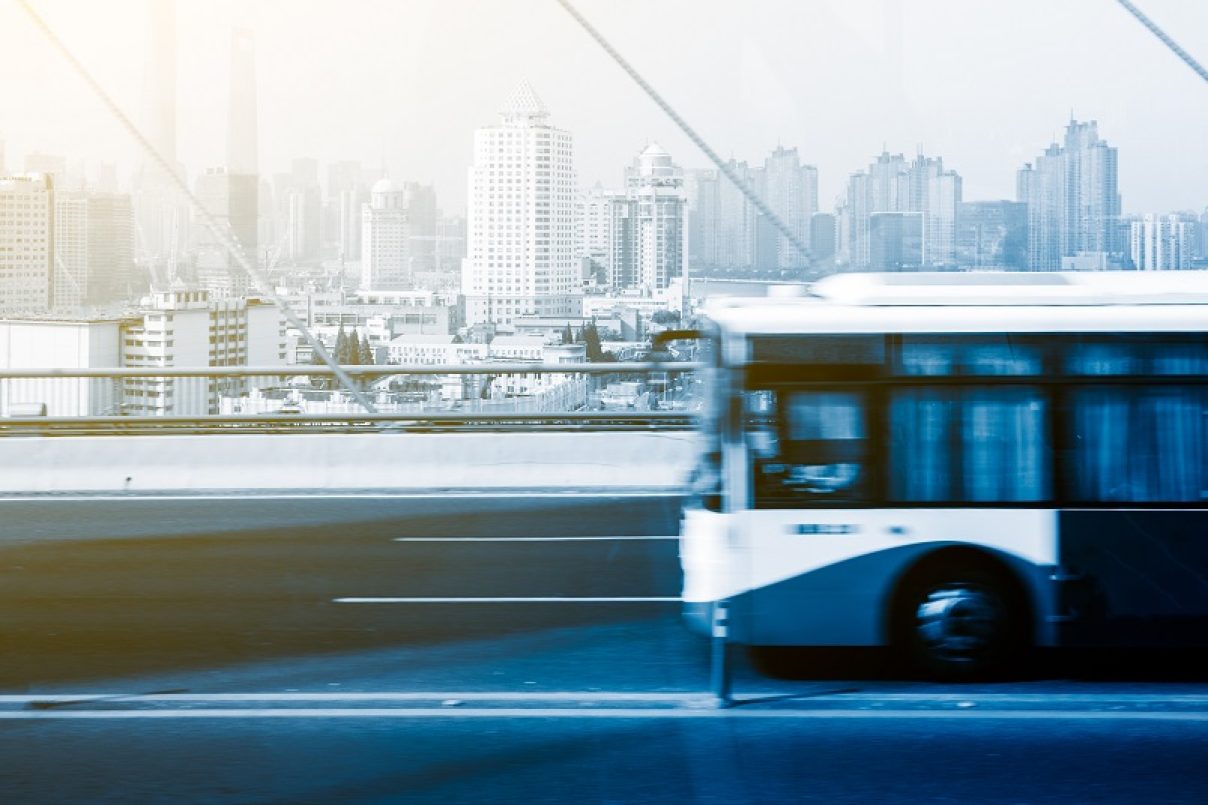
[1110,301]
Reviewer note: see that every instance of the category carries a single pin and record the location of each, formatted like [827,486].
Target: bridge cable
[697,140]
[227,238]
[1165,39]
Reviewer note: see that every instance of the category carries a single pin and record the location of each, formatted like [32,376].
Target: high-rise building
[1161,242]
[242,120]
[822,237]
[94,250]
[790,189]
[521,244]
[1073,198]
[301,204]
[657,213]
[992,234]
[385,241]
[896,241]
[27,238]
[232,201]
[891,184]
[721,218]
[232,195]
[1203,254]
[161,214]
[422,215]
[595,230]
[342,208]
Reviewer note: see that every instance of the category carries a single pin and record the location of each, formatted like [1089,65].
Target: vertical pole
[719,667]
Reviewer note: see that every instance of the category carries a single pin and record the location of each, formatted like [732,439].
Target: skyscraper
[890,184]
[385,263]
[94,250]
[242,136]
[159,89]
[342,208]
[521,232]
[1073,198]
[722,218]
[595,230]
[27,224]
[160,213]
[231,200]
[822,237]
[657,214]
[790,189]
[302,206]
[231,195]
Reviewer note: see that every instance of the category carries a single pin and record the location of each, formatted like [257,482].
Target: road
[494,649]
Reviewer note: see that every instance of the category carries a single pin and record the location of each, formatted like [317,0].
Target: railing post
[719,665]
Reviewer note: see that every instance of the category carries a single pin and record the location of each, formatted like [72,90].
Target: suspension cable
[226,238]
[1165,39]
[696,139]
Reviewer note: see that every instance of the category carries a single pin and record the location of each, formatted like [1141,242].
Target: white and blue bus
[958,465]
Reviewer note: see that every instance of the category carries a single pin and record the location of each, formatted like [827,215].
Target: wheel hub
[958,624]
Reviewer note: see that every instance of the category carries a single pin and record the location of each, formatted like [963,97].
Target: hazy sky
[986,85]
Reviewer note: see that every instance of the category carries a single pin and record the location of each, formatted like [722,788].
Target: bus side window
[811,445]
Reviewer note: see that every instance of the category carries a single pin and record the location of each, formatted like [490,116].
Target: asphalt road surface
[507,649]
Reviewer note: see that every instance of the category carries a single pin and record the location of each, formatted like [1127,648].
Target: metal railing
[513,396]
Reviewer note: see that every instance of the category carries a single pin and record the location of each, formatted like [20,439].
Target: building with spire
[521,249]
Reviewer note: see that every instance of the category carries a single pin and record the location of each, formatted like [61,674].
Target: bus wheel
[959,623]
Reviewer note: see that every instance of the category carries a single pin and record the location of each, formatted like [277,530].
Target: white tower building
[655,188]
[521,234]
[26,243]
[385,254]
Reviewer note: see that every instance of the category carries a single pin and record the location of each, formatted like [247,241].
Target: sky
[404,83]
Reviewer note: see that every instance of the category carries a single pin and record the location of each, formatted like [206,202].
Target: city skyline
[924,105]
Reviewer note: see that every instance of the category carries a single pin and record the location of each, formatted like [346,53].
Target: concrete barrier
[412,462]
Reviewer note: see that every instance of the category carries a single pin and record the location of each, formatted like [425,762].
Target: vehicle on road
[961,466]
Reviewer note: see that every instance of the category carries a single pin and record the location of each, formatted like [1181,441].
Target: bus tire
[960,618]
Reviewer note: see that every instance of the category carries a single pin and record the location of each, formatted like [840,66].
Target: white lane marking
[512,600]
[445,713]
[535,539]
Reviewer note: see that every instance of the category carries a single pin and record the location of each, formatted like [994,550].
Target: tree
[591,338]
[341,351]
[318,382]
[567,336]
[365,356]
[665,317]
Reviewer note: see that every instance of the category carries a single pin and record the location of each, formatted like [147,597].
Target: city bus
[961,466]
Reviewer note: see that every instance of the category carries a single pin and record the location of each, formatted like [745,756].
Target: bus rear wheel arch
[959,614]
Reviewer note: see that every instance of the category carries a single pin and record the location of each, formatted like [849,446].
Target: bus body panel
[1135,577]
[825,577]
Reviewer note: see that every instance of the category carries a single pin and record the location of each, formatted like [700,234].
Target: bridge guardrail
[511,395]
